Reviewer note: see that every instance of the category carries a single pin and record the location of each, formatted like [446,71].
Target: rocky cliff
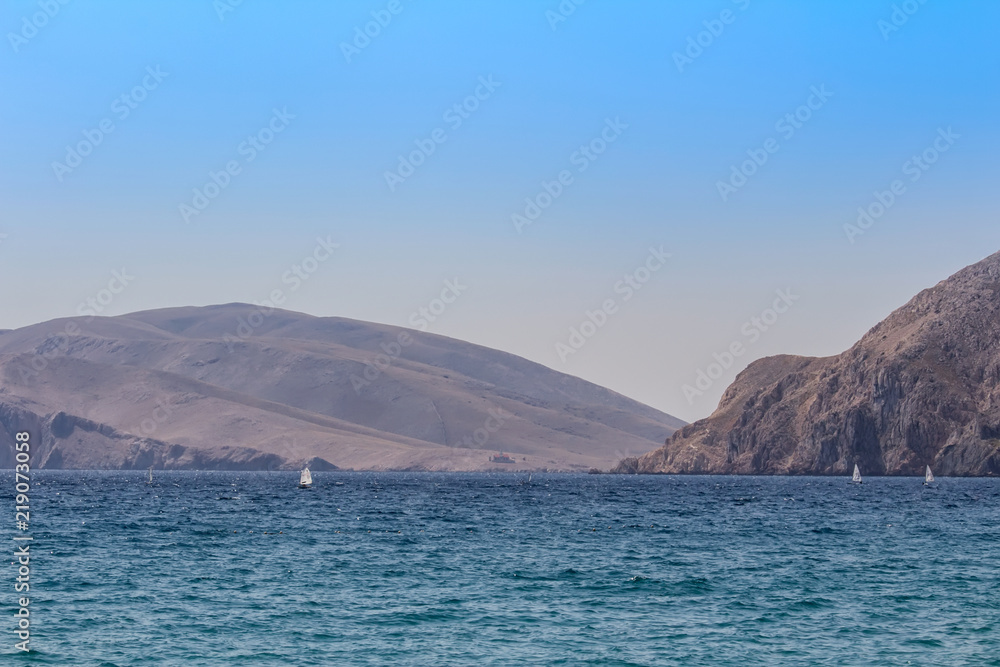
[921,388]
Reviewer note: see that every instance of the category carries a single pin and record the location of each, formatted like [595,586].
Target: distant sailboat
[928,476]
[150,475]
[857,475]
[305,479]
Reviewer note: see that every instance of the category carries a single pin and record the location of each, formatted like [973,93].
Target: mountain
[921,388]
[239,387]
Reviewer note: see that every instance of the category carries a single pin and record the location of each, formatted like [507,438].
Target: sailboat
[928,476]
[150,475]
[857,475]
[305,479]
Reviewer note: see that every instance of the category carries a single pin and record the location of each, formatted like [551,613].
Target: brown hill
[921,388]
[231,387]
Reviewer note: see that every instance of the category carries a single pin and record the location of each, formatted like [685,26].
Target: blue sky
[889,91]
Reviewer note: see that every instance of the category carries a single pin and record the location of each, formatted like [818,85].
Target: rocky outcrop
[63,441]
[921,388]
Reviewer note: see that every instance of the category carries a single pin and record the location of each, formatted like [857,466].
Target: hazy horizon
[295,116]
[265,308]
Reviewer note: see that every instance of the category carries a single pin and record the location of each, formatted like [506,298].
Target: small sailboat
[150,475]
[856,479]
[305,479]
[928,476]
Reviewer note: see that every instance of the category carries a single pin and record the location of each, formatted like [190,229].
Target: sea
[243,568]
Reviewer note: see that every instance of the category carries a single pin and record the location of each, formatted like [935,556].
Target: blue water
[462,569]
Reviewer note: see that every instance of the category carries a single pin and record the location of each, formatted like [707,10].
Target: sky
[627,192]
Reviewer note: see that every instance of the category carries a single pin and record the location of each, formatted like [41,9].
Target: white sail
[150,474]
[928,476]
[857,474]
[306,477]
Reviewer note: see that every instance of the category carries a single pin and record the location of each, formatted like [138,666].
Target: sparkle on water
[460,569]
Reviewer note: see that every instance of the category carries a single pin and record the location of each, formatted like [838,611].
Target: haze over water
[220,568]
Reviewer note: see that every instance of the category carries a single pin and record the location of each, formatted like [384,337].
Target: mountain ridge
[233,386]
